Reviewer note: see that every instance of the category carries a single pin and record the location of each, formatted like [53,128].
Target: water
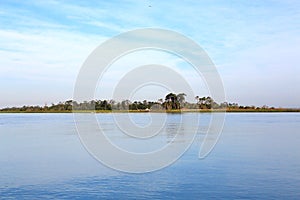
[257,157]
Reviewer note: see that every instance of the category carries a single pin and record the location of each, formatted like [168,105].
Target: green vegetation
[172,103]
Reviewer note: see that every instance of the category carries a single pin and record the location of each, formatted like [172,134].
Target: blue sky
[254,44]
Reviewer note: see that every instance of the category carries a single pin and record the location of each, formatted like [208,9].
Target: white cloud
[253,44]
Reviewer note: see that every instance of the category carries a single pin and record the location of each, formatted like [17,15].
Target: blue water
[256,157]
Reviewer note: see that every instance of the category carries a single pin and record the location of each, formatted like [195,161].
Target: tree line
[171,101]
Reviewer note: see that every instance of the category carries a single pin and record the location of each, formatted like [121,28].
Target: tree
[207,103]
[68,105]
[160,101]
[181,99]
[171,102]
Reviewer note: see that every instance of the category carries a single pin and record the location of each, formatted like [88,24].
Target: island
[173,103]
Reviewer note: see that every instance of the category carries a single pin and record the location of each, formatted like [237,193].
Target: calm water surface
[257,157]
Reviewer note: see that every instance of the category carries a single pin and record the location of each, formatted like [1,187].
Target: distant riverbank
[172,103]
[165,111]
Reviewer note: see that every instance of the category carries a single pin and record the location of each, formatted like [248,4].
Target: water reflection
[257,157]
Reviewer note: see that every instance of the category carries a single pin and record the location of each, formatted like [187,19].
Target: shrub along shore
[172,103]
[167,111]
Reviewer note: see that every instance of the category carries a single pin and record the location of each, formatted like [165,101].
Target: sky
[254,45]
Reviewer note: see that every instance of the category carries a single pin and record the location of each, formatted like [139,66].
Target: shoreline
[231,110]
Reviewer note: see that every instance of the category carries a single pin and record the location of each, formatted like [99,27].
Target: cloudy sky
[254,44]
